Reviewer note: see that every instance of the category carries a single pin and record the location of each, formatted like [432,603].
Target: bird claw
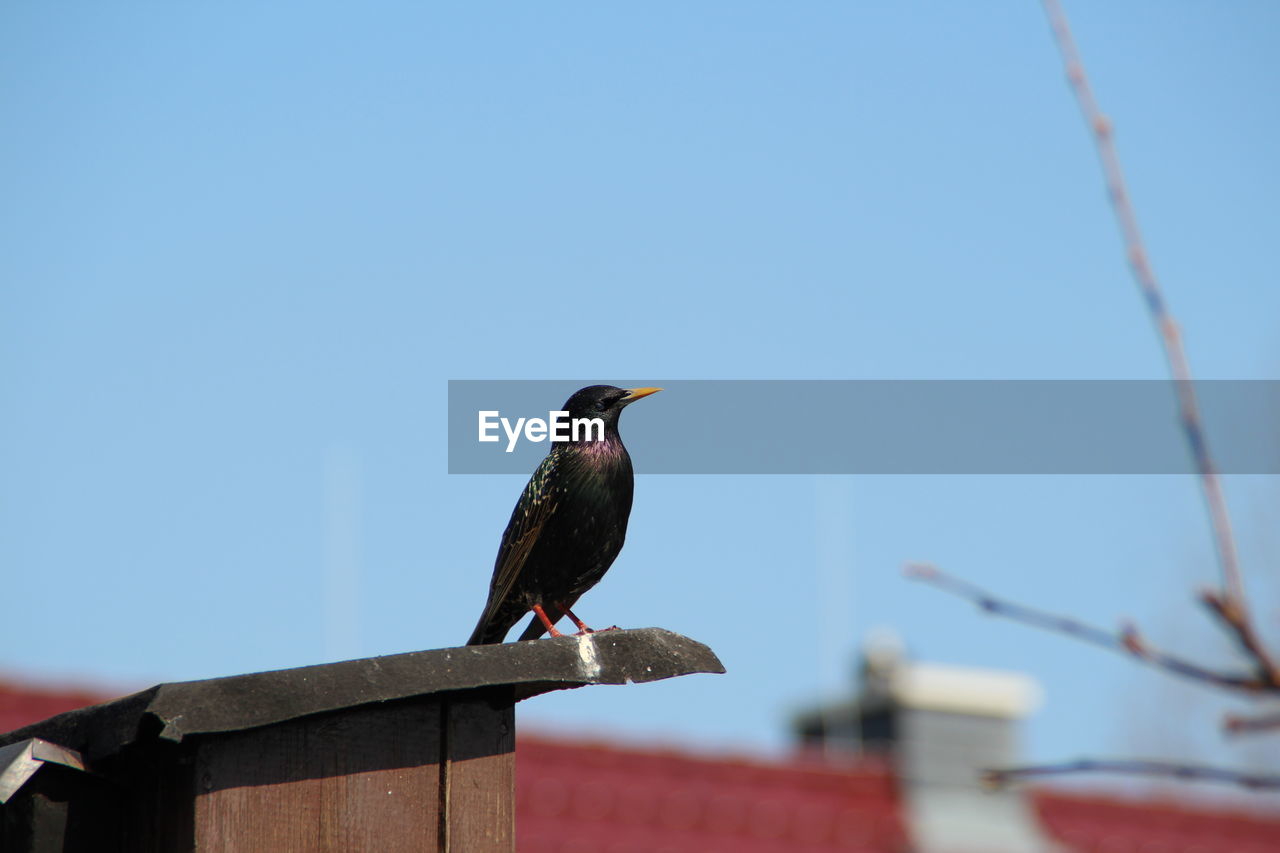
[585,631]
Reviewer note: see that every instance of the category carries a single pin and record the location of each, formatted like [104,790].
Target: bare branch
[1003,776]
[1170,335]
[1232,615]
[1126,642]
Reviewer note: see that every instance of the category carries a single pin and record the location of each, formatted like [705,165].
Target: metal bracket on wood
[20,761]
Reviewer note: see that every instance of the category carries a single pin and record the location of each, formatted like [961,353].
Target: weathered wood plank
[363,780]
[480,774]
[37,824]
[157,792]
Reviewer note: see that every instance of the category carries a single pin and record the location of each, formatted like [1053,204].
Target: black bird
[567,527]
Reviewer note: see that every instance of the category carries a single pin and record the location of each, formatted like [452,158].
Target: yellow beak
[636,393]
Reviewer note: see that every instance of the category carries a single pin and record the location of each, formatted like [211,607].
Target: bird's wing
[536,505]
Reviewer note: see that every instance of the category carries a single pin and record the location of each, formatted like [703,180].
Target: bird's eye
[602,405]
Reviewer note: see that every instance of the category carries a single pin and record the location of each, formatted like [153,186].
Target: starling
[568,526]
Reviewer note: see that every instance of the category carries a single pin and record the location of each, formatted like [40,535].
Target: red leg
[582,626]
[546,623]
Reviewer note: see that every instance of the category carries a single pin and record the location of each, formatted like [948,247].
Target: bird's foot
[586,630]
[583,629]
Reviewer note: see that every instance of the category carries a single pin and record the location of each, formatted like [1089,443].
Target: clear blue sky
[243,248]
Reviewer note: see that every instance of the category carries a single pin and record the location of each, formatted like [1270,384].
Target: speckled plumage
[568,525]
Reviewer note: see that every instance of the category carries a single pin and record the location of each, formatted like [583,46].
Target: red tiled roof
[575,796]
[1108,825]
[22,705]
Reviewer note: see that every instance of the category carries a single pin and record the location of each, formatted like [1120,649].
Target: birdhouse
[405,752]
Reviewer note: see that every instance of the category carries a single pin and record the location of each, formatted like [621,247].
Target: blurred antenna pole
[343,503]
[837,637]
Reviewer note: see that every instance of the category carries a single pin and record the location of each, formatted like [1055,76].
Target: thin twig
[1240,725]
[1170,335]
[1126,642]
[1140,767]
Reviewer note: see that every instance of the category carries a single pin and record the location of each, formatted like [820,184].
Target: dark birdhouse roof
[174,711]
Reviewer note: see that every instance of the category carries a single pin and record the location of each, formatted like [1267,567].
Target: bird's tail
[485,634]
[492,628]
